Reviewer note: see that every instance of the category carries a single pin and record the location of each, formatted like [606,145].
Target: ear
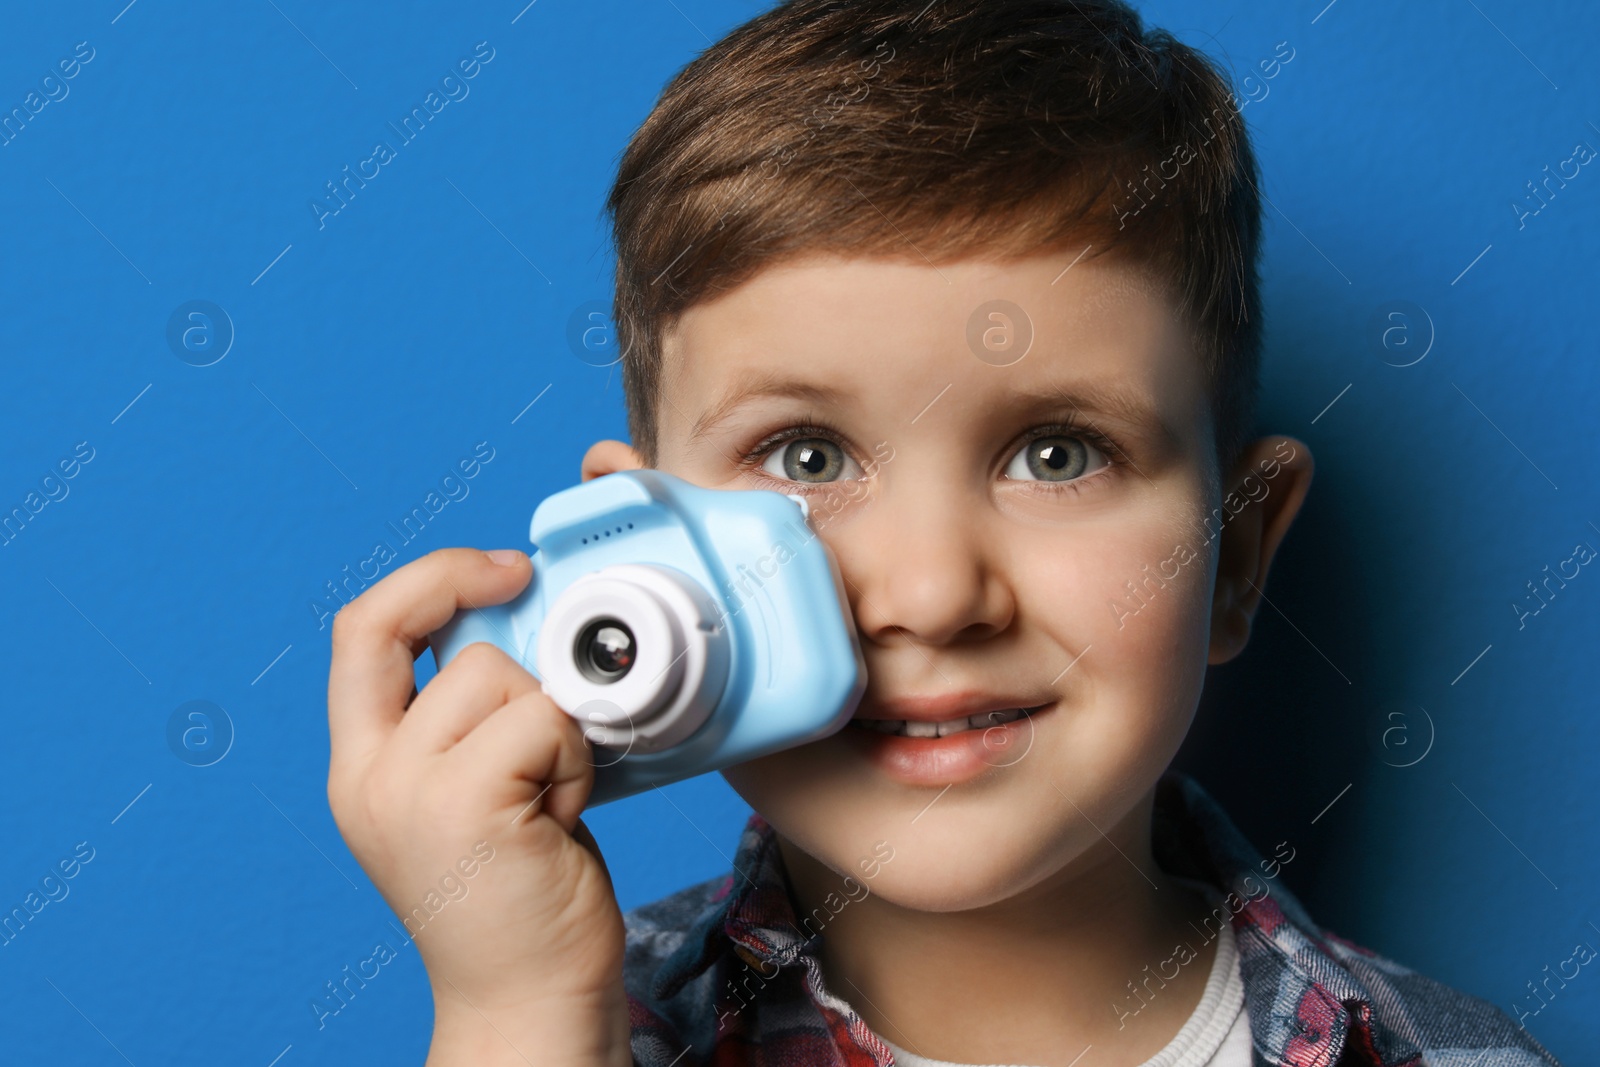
[608,457]
[1260,500]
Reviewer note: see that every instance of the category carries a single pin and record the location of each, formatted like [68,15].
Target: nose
[926,568]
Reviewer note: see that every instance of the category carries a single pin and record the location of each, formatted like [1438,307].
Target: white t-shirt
[1217,1034]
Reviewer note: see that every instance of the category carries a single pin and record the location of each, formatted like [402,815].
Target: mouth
[923,728]
[935,744]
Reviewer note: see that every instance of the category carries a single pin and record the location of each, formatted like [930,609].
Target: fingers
[479,680]
[529,742]
[378,635]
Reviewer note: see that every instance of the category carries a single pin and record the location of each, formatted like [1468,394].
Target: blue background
[372,354]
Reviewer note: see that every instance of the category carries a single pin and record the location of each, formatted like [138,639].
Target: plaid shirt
[719,973]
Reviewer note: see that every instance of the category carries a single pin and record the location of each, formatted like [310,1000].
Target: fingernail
[506,557]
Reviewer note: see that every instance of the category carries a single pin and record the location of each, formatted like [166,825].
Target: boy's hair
[928,130]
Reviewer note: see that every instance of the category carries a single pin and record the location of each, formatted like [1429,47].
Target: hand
[480,764]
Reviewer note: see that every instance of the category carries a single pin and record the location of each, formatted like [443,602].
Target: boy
[980,281]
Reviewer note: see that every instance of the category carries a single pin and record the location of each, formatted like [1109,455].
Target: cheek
[1133,588]
[1149,601]
[1135,602]
[814,797]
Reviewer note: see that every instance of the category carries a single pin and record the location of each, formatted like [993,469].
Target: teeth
[905,728]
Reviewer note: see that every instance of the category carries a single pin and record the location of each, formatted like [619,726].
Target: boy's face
[987,517]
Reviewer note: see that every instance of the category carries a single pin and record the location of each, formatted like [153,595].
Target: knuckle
[487,661]
[482,652]
[336,800]
[445,559]
[547,721]
[349,624]
[354,813]
[481,657]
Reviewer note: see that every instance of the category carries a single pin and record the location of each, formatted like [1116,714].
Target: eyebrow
[763,384]
[1121,405]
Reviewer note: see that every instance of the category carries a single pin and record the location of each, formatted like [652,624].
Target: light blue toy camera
[687,629]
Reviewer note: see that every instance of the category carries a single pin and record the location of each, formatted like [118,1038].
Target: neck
[1071,962]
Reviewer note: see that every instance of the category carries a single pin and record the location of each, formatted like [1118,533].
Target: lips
[945,741]
[943,728]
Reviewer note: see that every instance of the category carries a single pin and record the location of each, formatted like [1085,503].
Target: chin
[936,876]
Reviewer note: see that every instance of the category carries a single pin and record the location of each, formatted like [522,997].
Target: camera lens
[605,650]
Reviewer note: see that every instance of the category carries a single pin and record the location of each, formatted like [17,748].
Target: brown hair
[938,129]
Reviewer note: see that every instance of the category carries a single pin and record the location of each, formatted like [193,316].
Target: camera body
[685,628]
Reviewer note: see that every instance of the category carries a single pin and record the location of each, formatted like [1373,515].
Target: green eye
[814,460]
[1054,458]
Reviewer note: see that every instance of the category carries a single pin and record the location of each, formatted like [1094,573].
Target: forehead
[883,335]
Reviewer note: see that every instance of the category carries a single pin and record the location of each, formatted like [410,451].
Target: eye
[1055,458]
[813,460]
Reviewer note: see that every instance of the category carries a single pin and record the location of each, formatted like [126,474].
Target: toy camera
[686,628]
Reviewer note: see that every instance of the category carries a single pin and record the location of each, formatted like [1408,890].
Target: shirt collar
[1302,1000]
